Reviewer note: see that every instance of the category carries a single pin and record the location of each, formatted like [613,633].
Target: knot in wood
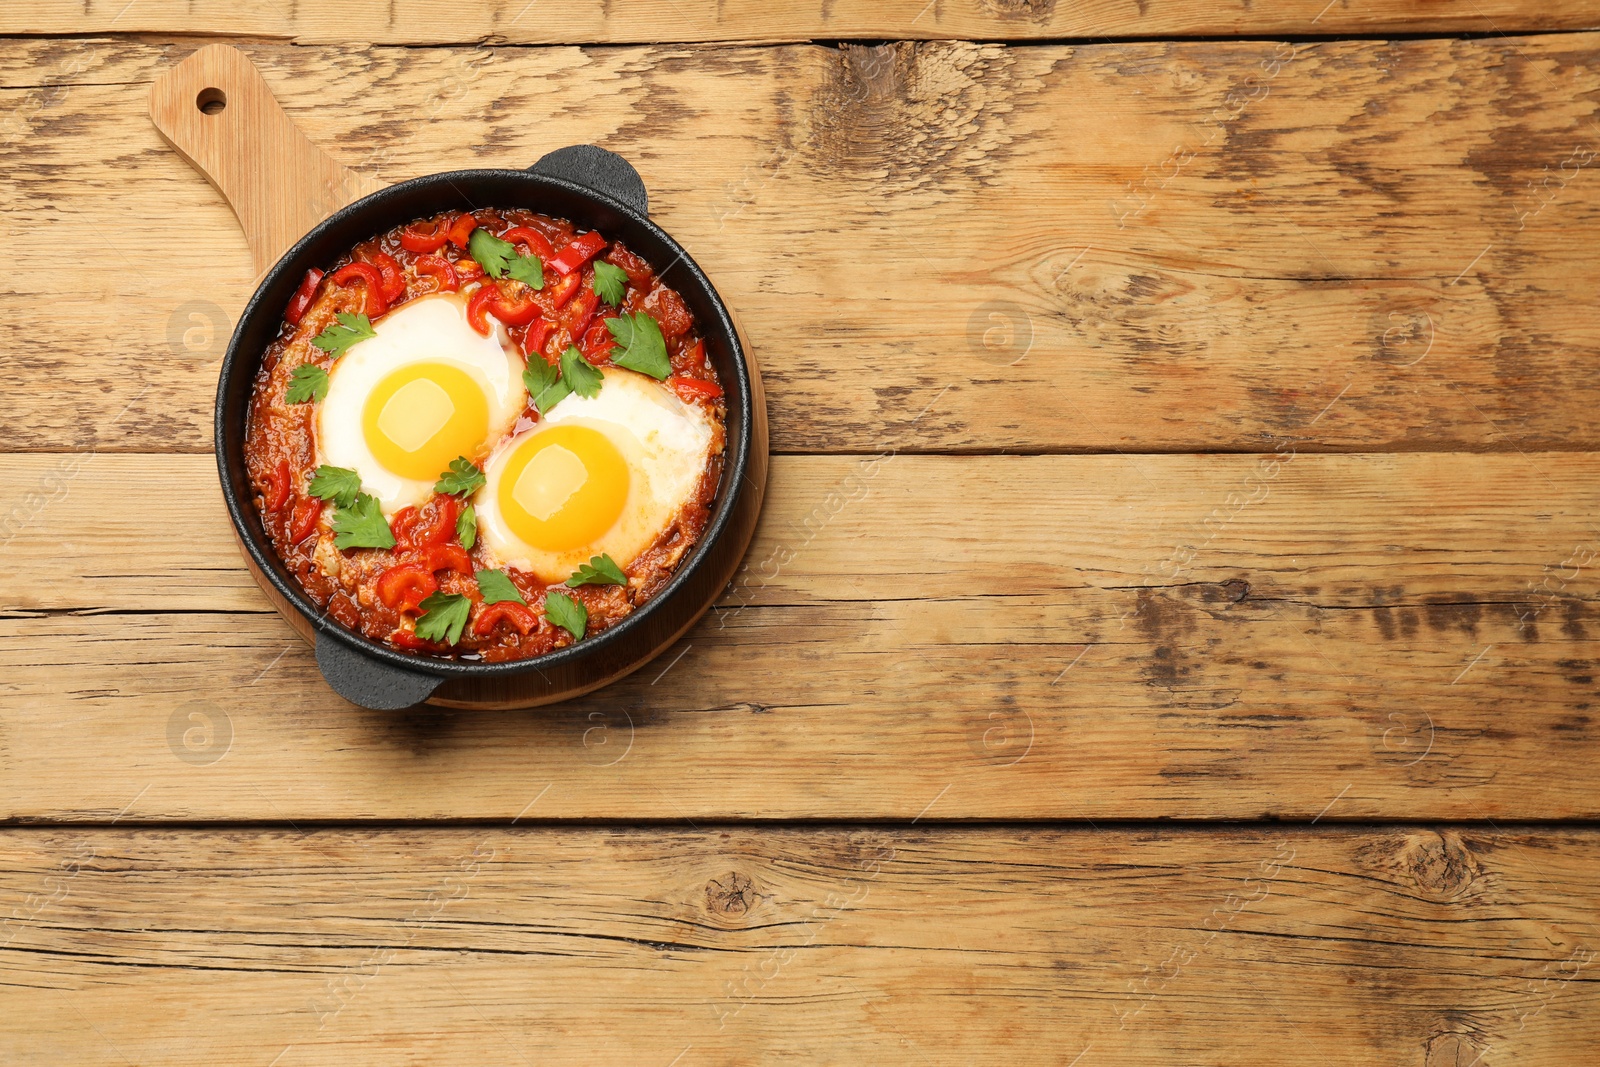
[731,896]
[1452,1050]
[1440,864]
[1034,10]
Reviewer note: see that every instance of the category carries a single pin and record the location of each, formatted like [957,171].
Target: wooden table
[1172,633]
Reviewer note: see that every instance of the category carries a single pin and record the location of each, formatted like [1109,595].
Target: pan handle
[369,683]
[595,168]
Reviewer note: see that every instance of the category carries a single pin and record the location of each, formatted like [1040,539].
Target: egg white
[432,329]
[665,443]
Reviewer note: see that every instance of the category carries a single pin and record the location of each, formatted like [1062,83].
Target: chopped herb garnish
[338,484]
[361,525]
[643,348]
[444,616]
[467,526]
[491,253]
[308,382]
[336,340]
[499,259]
[579,374]
[548,386]
[610,282]
[462,479]
[529,270]
[602,570]
[566,613]
[545,387]
[497,586]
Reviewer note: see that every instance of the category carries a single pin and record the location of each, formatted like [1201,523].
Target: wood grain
[1250,947]
[415,22]
[939,247]
[1406,636]
[216,111]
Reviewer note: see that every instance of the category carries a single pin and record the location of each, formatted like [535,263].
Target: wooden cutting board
[217,111]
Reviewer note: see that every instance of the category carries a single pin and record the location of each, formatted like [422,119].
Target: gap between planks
[201,37]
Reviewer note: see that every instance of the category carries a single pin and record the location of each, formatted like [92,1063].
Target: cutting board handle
[217,111]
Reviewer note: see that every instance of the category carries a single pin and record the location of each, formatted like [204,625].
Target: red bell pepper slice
[449,558]
[532,337]
[511,310]
[394,279]
[303,297]
[580,251]
[692,389]
[516,310]
[369,276]
[403,526]
[536,241]
[405,586]
[278,479]
[562,291]
[440,268]
[414,528]
[409,641]
[306,514]
[507,611]
[461,230]
[413,239]
[582,312]
[442,525]
[597,344]
[478,307]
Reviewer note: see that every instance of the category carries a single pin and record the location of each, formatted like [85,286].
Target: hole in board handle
[211,101]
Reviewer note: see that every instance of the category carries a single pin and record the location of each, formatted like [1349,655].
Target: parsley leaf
[308,382]
[579,374]
[610,282]
[444,616]
[462,479]
[361,525]
[643,347]
[491,253]
[467,526]
[544,384]
[338,484]
[497,586]
[566,613]
[336,340]
[529,270]
[602,570]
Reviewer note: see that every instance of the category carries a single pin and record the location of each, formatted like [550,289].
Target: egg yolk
[424,415]
[563,487]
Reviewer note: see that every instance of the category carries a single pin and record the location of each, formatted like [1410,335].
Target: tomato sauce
[374,591]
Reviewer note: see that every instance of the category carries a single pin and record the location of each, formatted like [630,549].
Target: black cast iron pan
[295,204]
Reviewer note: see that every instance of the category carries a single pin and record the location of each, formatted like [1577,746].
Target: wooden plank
[1411,636]
[517,21]
[934,247]
[1250,947]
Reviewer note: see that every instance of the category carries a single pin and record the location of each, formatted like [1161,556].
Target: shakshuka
[485,435]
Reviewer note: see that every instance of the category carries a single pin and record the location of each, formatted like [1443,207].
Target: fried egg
[603,474]
[426,389]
